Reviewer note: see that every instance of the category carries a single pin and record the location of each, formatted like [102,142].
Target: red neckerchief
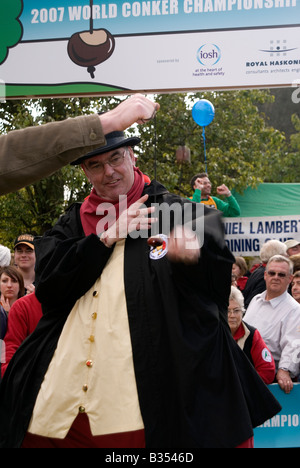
[97,214]
[240,332]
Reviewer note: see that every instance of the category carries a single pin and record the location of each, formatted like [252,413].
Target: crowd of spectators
[255,330]
[256,291]
[271,301]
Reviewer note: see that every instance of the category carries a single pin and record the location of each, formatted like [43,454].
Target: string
[91,17]
[203,134]
[91,69]
[155,157]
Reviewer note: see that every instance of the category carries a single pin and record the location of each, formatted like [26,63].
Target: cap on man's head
[5,256]
[26,239]
[291,243]
[114,140]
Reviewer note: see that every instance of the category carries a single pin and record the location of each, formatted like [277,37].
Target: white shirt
[278,321]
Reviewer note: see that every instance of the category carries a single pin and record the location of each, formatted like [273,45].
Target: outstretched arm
[30,154]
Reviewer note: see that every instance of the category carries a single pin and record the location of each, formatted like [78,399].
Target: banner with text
[245,236]
[68,47]
[283,430]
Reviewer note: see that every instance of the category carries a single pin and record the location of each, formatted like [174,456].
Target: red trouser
[80,436]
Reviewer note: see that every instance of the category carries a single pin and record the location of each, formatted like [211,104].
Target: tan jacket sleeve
[33,153]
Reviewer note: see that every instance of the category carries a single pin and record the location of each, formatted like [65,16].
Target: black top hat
[114,140]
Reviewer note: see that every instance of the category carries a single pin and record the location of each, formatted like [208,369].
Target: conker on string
[155,241]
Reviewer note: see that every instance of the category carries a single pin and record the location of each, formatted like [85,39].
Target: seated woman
[249,339]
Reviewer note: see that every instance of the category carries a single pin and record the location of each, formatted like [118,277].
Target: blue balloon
[203,112]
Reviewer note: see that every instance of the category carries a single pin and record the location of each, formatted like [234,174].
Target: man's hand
[223,190]
[134,218]
[284,380]
[198,184]
[30,289]
[136,109]
[183,246]
[5,303]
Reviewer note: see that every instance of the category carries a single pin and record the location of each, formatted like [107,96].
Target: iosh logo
[208,55]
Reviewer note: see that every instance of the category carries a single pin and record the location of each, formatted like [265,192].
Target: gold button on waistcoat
[81,409]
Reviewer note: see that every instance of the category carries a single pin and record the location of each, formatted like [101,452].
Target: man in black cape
[133,349]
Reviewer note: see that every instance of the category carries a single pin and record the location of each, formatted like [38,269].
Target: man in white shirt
[277,317]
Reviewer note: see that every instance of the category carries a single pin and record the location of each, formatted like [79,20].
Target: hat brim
[291,244]
[115,143]
[25,243]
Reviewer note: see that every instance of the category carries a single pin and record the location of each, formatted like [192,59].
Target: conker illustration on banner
[92,47]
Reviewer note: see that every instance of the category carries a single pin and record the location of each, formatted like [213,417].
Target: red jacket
[241,282]
[250,340]
[22,320]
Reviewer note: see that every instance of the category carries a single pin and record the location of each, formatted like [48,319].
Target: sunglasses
[274,273]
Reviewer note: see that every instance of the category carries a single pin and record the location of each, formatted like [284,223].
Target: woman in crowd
[23,318]
[11,287]
[249,338]
[240,271]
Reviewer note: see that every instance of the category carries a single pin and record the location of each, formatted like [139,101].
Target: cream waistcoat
[92,367]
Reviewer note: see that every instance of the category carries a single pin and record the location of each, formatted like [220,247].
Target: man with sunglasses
[276,315]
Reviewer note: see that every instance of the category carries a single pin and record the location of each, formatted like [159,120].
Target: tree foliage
[239,143]
[242,150]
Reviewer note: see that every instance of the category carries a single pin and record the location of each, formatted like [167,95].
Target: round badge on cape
[158,247]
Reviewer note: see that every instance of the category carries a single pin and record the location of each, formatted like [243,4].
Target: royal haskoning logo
[278,48]
[208,55]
